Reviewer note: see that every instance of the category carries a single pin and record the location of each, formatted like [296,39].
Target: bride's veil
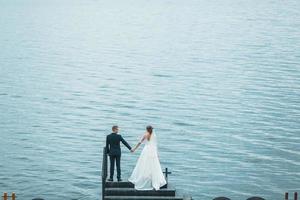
[153,139]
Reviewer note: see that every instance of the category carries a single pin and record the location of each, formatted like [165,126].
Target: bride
[147,173]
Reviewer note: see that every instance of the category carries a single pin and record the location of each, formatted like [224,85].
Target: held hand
[131,150]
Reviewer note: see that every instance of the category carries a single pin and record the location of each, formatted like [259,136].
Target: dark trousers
[114,159]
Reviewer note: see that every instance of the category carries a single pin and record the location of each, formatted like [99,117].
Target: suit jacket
[113,144]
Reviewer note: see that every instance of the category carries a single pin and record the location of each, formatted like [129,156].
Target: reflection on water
[219,80]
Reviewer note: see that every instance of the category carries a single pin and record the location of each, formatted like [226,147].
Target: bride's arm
[140,142]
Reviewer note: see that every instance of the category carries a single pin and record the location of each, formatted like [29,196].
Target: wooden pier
[126,191]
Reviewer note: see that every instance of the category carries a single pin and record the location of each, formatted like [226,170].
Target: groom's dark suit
[114,151]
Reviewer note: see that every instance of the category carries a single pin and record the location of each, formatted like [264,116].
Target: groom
[114,151]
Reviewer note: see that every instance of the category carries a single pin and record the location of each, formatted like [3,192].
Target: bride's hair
[149,129]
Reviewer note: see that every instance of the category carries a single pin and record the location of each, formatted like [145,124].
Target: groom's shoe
[110,179]
[119,180]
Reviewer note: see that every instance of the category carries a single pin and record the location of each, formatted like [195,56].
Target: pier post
[4,196]
[295,196]
[104,171]
[167,172]
[13,196]
[286,196]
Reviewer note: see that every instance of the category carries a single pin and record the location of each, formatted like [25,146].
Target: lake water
[219,81]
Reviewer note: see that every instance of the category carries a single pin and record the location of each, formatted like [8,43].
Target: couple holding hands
[147,174]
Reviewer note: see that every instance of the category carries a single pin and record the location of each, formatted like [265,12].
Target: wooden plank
[134,192]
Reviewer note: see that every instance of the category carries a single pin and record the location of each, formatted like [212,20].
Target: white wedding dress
[147,173]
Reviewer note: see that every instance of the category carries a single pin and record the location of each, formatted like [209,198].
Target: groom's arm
[125,143]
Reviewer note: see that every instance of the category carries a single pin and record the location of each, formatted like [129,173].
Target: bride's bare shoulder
[147,135]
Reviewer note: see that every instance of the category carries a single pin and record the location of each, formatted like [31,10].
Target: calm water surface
[219,80]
